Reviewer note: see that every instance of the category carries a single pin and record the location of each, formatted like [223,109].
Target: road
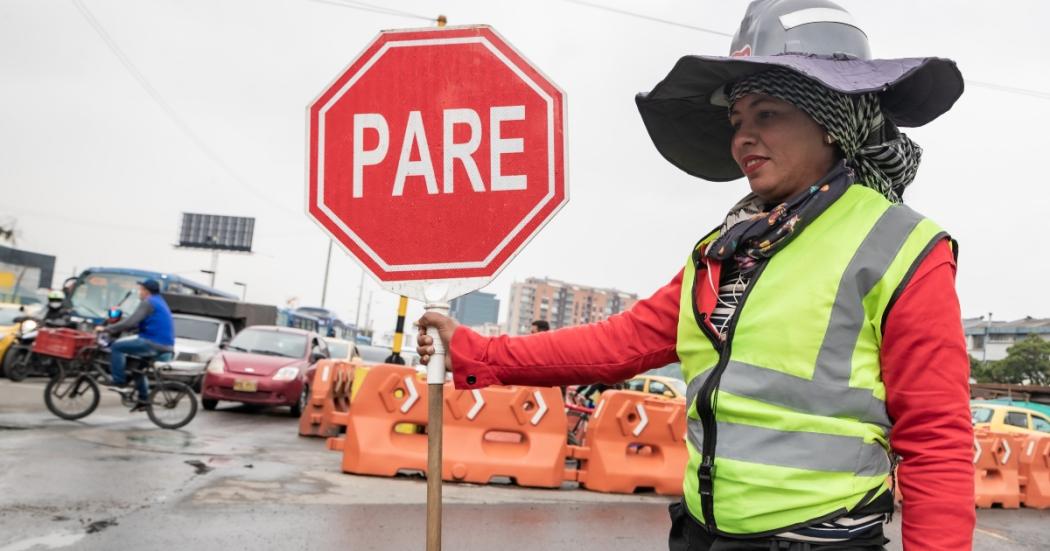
[240,478]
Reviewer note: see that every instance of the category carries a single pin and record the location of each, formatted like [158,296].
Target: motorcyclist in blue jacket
[156,334]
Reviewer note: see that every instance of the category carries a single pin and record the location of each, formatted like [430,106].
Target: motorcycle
[22,361]
[18,361]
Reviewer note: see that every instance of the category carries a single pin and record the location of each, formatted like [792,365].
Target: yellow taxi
[1006,418]
[342,349]
[8,313]
[668,387]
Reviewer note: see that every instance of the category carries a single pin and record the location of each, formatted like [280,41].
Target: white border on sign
[441,265]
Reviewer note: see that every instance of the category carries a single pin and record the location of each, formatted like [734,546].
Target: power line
[92,223]
[374,9]
[1011,89]
[977,83]
[168,110]
[649,18]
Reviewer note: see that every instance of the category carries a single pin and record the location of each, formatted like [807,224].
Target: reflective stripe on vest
[793,404]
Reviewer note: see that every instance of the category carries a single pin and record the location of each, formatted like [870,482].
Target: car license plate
[244,385]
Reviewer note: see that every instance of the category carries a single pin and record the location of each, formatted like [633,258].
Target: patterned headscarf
[881,157]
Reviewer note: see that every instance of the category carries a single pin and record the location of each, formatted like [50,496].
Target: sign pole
[435,409]
[435,418]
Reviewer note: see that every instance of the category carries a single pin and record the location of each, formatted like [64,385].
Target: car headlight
[216,365]
[286,374]
[28,326]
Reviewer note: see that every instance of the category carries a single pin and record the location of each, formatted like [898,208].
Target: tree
[1026,362]
[982,371]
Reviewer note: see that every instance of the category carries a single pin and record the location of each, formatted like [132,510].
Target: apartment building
[561,304]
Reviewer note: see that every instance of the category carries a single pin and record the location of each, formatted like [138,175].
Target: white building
[990,340]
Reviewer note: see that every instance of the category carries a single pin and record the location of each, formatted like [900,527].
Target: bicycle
[73,392]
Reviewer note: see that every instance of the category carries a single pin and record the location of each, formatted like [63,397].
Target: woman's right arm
[612,350]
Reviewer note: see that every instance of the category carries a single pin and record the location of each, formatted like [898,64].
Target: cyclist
[156,334]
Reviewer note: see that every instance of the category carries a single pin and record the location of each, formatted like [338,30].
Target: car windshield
[378,354]
[981,415]
[195,329]
[339,350]
[271,343]
[373,354]
[98,292]
[8,315]
[679,386]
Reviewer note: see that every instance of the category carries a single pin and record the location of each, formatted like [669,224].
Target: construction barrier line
[624,449]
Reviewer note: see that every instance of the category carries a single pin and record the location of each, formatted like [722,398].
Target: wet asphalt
[241,478]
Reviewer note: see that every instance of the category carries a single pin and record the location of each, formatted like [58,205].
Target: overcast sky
[97,164]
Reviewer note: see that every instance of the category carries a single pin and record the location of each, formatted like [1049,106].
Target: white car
[197,340]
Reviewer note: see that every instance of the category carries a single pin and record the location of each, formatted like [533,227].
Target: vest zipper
[705,409]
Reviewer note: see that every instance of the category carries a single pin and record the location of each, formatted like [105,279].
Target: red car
[264,365]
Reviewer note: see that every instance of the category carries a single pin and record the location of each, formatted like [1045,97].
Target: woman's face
[779,148]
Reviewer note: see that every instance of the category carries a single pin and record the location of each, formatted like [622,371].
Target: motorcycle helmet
[113,315]
[55,299]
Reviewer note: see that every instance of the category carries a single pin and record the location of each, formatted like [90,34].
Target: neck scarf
[881,157]
[751,232]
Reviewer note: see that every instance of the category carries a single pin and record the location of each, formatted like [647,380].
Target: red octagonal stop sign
[437,154]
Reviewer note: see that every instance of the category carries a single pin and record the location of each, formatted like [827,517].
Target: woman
[817,324]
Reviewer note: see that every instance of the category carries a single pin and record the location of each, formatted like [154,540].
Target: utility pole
[368,311]
[984,349]
[214,267]
[360,292]
[327,265]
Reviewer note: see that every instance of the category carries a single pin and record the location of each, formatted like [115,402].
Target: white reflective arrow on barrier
[598,411]
[645,420]
[413,395]
[324,374]
[1031,447]
[1006,444]
[540,412]
[977,450]
[479,402]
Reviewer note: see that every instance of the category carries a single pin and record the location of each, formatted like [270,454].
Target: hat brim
[693,133]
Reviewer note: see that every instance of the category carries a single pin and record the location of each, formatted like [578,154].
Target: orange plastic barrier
[633,441]
[388,397]
[512,431]
[1035,471]
[996,479]
[325,412]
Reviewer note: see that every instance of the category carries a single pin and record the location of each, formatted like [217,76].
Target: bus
[329,324]
[291,318]
[97,289]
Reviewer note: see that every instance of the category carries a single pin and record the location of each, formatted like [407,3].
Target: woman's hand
[445,326]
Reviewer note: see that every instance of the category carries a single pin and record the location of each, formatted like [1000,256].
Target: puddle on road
[50,541]
[164,441]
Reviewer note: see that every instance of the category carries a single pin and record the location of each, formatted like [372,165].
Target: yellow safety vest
[787,421]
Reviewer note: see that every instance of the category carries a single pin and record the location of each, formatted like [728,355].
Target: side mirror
[223,345]
[316,357]
[669,394]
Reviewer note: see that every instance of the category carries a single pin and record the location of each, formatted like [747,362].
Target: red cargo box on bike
[61,343]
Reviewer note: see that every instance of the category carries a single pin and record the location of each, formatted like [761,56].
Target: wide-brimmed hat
[686,113]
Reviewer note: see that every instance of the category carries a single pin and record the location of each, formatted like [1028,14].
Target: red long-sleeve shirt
[925,368]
